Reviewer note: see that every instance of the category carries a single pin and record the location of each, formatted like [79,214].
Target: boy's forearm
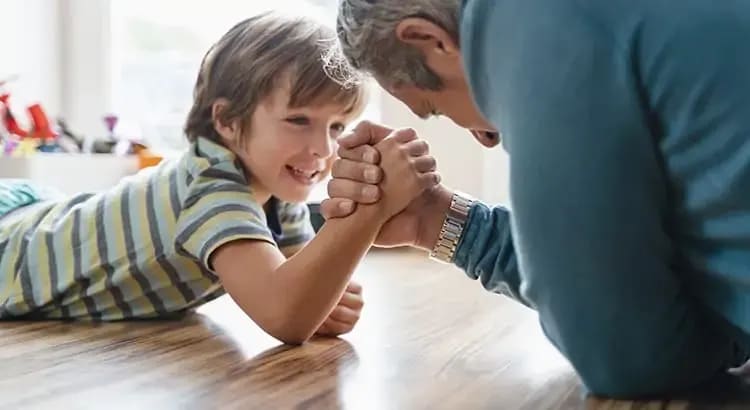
[314,278]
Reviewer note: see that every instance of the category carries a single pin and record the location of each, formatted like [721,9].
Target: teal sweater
[627,123]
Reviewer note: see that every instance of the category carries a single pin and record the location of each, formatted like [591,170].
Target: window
[157,47]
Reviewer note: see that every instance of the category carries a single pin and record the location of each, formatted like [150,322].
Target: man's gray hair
[367,33]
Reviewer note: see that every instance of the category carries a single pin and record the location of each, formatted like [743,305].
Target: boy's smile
[305,176]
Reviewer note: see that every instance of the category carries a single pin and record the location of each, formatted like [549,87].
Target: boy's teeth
[307,174]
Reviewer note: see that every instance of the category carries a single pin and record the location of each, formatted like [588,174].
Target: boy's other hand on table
[345,315]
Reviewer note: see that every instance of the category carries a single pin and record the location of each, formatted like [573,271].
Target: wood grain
[429,339]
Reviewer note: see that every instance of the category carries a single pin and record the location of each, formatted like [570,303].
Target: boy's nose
[323,146]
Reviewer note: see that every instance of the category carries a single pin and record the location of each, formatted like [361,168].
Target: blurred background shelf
[70,173]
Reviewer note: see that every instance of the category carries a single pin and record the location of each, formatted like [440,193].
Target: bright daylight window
[157,48]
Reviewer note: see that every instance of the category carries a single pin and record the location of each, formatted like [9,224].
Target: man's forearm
[487,253]
[485,250]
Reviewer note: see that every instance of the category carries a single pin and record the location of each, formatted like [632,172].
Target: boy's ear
[228,131]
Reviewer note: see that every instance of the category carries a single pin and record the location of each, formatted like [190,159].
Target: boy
[228,213]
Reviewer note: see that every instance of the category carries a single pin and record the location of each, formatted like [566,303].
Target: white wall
[496,173]
[31,48]
[60,50]
[86,64]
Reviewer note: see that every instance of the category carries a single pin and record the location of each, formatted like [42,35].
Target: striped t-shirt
[140,249]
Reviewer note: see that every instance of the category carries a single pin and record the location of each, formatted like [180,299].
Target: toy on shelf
[146,157]
[42,136]
[25,142]
[67,139]
[25,148]
[4,133]
[41,130]
[8,120]
[102,145]
[122,146]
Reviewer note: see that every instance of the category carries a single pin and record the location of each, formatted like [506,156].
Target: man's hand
[345,315]
[355,177]
[356,173]
[408,171]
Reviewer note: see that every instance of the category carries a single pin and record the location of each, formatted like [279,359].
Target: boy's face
[289,150]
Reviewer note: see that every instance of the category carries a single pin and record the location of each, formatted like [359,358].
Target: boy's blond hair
[256,56]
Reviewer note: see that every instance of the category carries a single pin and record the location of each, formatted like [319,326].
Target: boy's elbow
[292,338]
[282,322]
[289,332]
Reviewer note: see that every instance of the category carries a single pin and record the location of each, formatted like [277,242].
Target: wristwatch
[453,227]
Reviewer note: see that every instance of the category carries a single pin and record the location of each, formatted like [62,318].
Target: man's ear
[427,37]
[228,131]
[440,50]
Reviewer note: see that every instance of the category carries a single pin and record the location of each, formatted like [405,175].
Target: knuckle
[405,152]
[368,154]
[409,131]
[389,142]
[372,173]
[362,126]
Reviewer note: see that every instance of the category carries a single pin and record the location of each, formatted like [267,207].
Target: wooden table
[429,339]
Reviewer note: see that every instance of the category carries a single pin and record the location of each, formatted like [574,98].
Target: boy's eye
[338,128]
[301,120]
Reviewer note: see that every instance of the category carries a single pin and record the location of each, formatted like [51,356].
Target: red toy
[40,125]
[8,120]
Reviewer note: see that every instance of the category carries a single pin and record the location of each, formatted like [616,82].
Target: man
[628,130]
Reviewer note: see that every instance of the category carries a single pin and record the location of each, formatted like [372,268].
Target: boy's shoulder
[207,161]
[208,178]
[205,153]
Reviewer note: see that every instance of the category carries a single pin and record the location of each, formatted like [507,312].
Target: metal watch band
[453,227]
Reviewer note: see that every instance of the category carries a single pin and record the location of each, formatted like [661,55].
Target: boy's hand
[408,170]
[356,175]
[346,313]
